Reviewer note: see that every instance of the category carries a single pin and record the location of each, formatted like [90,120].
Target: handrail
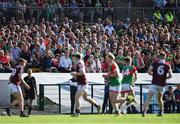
[41,93]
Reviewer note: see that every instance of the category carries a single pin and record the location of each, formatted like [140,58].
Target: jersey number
[126,72]
[160,70]
[13,72]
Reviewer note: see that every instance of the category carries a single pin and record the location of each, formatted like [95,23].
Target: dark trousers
[178,107]
[72,97]
[169,107]
[106,102]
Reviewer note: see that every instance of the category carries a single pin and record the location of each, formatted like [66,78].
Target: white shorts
[82,88]
[126,88]
[15,88]
[156,89]
[115,89]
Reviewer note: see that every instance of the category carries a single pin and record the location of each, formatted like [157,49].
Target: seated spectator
[120,60]
[65,63]
[138,62]
[177,61]
[58,50]
[37,56]
[46,61]
[4,62]
[169,101]
[26,54]
[93,64]
[177,97]
[55,61]
[15,53]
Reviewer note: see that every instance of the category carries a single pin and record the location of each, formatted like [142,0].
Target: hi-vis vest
[157,15]
[169,17]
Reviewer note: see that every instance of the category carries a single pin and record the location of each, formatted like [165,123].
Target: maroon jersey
[160,70]
[81,68]
[15,75]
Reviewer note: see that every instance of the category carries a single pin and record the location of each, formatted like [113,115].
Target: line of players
[160,71]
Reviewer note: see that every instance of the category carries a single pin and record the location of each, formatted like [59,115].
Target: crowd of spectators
[54,9]
[51,47]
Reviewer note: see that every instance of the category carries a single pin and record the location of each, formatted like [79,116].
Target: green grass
[93,119]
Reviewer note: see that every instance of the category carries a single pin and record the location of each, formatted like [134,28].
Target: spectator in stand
[15,53]
[47,61]
[138,62]
[160,3]
[177,60]
[4,62]
[26,54]
[120,60]
[169,101]
[55,61]
[37,54]
[109,28]
[65,63]
[177,97]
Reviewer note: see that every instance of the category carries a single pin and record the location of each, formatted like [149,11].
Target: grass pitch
[92,119]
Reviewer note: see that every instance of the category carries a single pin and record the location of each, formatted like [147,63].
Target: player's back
[15,75]
[128,73]
[160,70]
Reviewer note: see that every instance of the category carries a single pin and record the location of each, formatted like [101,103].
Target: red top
[4,60]
[160,70]
[82,80]
[15,75]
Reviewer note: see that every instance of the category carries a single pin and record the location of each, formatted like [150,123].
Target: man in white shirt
[109,28]
[65,63]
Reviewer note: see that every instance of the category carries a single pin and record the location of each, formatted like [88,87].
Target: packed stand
[50,47]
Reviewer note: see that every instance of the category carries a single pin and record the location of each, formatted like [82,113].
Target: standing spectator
[98,11]
[159,3]
[177,97]
[169,17]
[15,53]
[30,94]
[169,101]
[157,17]
[73,85]
[65,63]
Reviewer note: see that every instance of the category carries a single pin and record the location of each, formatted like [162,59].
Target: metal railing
[42,96]
[86,14]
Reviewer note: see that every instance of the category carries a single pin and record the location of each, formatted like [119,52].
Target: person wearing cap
[169,100]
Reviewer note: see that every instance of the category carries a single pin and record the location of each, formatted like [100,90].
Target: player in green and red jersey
[129,73]
[115,83]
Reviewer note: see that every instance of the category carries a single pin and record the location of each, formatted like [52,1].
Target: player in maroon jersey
[80,75]
[160,71]
[14,83]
